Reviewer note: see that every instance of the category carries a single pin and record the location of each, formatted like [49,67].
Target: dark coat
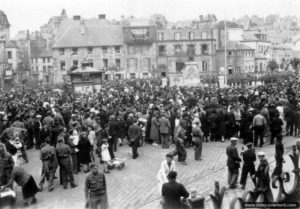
[172,192]
[84,147]
[233,157]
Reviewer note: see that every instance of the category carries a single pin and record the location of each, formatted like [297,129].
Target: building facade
[139,39]
[100,45]
[14,58]
[175,47]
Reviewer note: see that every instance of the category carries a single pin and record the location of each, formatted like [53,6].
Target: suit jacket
[233,157]
[172,192]
[134,132]
[164,125]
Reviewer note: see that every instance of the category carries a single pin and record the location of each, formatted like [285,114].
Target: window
[163,74]
[62,65]
[75,63]
[146,63]
[36,60]
[9,55]
[161,50]
[132,75]
[204,49]
[190,50]
[44,69]
[36,69]
[204,35]
[191,35]
[117,49]
[204,66]
[118,64]
[161,36]
[179,66]
[104,49]
[177,36]
[74,51]
[90,50]
[132,64]
[61,51]
[44,60]
[177,48]
[48,59]
[105,63]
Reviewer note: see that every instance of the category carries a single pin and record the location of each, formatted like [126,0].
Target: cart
[118,163]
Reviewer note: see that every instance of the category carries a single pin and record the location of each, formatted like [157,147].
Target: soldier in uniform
[249,157]
[63,153]
[49,159]
[95,189]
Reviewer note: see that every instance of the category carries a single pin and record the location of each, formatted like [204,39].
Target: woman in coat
[166,166]
[154,132]
[73,143]
[84,147]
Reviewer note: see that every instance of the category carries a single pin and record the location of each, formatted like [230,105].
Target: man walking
[249,157]
[233,163]
[63,153]
[49,159]
[95,189]
[164,128]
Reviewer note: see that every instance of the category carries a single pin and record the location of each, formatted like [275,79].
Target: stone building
[14,58]
[240,58]
[101,45]
[175,47]
[139,39]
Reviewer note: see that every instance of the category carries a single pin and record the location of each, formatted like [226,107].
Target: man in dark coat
[249,157]
[63,153]
[275,127]
[164,129]
[233,163]
[172,192]
[135,134]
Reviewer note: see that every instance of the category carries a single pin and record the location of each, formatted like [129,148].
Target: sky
[31,14]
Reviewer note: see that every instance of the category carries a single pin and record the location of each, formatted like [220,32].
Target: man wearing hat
[233,163]
[197,138]
[135,134]
[249,157]
[37,129]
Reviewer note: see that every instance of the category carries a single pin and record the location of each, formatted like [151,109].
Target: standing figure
[49,160]
[249,157]
[180,137]
[233,163]
[259,124]
[135,134]
[154,131]
[164,128]
[279,151]
[84,147]
[6,165]
[63,153]
[105,156]
[197,139]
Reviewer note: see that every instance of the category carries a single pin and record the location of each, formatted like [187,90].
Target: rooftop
[94,35]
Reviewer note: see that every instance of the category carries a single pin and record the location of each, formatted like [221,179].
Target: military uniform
[63,153]
[95,185]
[49,159]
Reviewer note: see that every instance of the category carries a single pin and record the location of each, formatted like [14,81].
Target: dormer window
[74,51]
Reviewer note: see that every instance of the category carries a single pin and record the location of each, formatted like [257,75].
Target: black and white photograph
[149,104]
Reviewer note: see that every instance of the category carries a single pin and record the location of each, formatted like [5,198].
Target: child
[105,154]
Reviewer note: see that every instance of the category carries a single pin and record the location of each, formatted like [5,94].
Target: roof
[95,35]
[11,44]
[236,46]
[36,52]
[86,70]
[3,19]
[3,58]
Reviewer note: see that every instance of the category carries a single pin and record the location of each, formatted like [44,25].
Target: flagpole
[225,54]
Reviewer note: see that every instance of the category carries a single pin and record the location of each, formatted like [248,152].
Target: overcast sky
[31,14]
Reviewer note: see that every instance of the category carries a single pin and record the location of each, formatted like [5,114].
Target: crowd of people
[76,132]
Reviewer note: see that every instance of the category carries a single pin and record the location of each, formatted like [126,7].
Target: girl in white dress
[165,167]
[105,154]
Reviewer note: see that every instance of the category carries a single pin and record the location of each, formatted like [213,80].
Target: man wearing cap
[164,129]
[259,124]
[233,163]
[95,189]
[37,129]
[249,157]
[172,192]
[49,160]
[197,139]
[63,153]
[262,175]
[135,134]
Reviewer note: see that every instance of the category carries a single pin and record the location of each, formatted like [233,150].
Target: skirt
[29,189]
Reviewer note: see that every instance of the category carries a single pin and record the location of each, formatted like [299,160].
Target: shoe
[155,144]
[233,187]
[26,204]
[54,177]
[65,186]
[51,189]
[34,201]
[106,171]
[74,185]
[243,187]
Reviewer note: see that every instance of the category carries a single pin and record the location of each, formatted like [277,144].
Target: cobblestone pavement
[135,187]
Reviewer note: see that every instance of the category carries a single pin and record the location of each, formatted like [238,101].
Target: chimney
[76,17]
[102,17]
[82,27]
